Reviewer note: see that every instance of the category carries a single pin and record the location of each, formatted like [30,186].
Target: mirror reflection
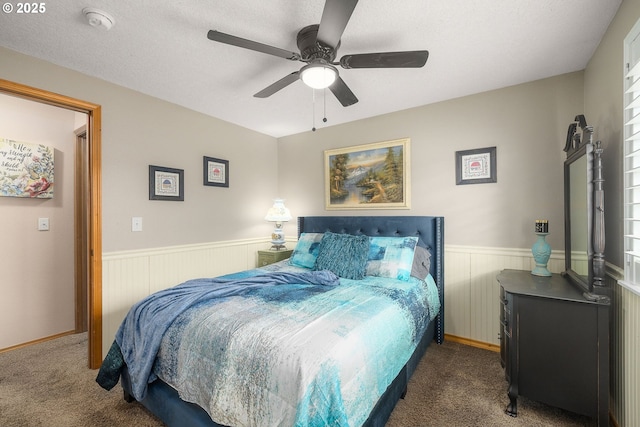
[578,209]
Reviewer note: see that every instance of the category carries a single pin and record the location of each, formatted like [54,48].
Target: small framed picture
[166,183]
[215,172]
[476,166]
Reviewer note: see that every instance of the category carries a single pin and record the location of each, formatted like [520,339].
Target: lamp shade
[318,75]
[278,212]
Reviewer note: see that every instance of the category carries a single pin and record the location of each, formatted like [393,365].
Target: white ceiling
[161,48]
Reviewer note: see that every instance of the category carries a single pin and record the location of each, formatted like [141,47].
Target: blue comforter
[142,330]
[278,346]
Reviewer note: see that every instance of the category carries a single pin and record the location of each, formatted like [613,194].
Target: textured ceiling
[161,48]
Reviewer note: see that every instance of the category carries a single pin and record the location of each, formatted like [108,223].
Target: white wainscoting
[471,301]
[625,352]
[472,294]
[129,276]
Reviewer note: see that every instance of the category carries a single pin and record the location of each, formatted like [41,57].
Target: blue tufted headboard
[429,229]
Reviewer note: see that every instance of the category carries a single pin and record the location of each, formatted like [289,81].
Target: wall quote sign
[26,169]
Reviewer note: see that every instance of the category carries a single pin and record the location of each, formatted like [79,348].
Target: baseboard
[39,340]
[472,343]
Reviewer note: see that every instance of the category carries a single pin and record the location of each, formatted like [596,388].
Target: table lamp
[278,214]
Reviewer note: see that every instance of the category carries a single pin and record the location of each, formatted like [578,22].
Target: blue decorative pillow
[391,257]
[343,254]
[306,251]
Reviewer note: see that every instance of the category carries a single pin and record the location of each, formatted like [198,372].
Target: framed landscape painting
[371,176]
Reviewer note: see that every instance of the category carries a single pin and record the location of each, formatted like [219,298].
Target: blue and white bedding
[298,354]
[141,332]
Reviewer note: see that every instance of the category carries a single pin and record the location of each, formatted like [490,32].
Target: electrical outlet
[136,223]
[43,224]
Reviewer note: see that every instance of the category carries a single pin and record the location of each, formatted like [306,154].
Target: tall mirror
[584,211]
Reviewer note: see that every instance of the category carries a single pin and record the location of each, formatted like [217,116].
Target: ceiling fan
[318,46]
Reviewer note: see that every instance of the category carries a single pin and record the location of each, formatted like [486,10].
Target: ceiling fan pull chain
[313,100]
[324,103]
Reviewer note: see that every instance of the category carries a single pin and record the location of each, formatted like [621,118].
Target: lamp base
[278,247]
[277,238]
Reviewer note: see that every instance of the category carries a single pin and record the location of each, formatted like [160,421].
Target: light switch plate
[43,224]
[136,223]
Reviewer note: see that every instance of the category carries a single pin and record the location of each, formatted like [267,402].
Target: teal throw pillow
[306,251]
[391,257]
[343,254]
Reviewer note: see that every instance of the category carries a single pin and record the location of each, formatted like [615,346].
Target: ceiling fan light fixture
[318,75]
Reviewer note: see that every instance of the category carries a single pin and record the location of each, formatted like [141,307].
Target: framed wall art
[371,176]
[166,183]
[476,166]
[26,169]
[215,172]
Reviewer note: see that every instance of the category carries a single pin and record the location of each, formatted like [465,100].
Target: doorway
[92,215]
[81,230]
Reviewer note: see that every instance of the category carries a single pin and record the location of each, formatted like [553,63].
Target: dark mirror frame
[578,146]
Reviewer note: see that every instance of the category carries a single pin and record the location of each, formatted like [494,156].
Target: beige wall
[138,131]
[37,267]
[527,123]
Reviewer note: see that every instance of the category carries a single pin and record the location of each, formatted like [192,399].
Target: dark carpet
[48,384]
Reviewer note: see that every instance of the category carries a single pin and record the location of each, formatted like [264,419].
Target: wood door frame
[94,132]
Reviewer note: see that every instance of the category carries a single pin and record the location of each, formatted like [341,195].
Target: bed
[328,337]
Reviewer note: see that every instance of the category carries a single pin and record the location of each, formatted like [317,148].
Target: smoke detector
[98,18]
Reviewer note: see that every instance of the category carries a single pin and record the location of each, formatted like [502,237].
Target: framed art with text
[166,183]
[215,172]
[26,169]
[476,166]
[371,176]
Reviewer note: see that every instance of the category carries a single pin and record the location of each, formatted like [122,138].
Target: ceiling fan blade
[408,59]
[217,36]
[343,93]
[280,84]
[335,17]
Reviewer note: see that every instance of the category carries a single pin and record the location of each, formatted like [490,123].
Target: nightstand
[269,257]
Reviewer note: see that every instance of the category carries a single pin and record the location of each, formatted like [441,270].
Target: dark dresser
[554,344]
